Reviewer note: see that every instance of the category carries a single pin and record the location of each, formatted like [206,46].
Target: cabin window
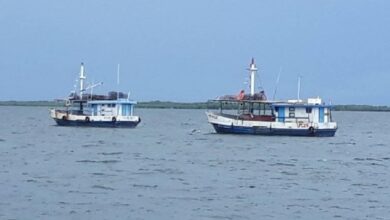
[292,112]
[308,110]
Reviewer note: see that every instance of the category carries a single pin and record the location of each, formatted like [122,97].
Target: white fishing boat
[254,114]
[86,109]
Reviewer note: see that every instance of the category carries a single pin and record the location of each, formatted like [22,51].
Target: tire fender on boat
[64,118]
[87,119]
[139,120]
[311,130]
[113,119]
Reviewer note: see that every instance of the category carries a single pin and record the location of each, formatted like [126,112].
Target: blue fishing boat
[254,114]
[89,110]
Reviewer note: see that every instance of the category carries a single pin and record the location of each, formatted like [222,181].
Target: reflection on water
[173,166]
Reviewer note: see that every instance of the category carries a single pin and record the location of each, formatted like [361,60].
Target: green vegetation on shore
[187,105]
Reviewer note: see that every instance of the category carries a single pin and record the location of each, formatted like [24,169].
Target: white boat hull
[224,123]
[64,118]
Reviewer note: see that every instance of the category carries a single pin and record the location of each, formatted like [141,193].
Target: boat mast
[82,78]
[252,69]
[117,81]
[299,88]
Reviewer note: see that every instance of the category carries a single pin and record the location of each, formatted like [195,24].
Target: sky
[191,51]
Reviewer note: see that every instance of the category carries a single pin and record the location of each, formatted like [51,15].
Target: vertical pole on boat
[277,83]
[252,69]
[117,80]
[299,88]
[82,78]
[117,92]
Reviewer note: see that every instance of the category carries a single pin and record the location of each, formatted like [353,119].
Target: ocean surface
[174,166]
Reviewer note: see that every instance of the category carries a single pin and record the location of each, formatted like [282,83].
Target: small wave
[102,187]
[367,158]
[342,143]
[289,173]
[120,204]
[168,171]
[89,145]
[364,184]
[194,131]
[340,207]
[231,217]
[144,186]
[283,164]
[2,140]
[111,153]
[102,174]
[377,164]
[98,161]
[378,145]
[18,132]
[83,192]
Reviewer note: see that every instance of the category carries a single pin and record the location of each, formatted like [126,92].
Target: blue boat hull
[106,124]
[222,129]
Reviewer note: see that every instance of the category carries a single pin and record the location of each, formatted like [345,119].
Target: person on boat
[241,95]
[262,95]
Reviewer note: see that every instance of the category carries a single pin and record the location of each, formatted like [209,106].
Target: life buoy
[87,119]
[113,119]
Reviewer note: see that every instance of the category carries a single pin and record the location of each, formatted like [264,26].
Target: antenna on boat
[117,80]
[82,78]
[93,85]
[277,83]
[299,87]
[252,69]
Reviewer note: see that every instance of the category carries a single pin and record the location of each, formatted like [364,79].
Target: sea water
[174,166]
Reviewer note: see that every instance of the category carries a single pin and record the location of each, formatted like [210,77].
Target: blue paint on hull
[223,129]
[105,124]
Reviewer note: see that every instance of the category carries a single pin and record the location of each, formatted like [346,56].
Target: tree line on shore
[187,105]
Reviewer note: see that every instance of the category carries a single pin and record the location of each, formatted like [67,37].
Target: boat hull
[223,129]
[231,124]
[106,124]
[63,118]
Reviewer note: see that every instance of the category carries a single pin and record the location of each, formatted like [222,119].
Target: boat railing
[297,120]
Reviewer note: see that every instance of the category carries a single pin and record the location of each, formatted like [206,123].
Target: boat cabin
[122,107]
[312,111]
[292,111]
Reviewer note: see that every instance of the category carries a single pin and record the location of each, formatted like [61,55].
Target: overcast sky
[197,50]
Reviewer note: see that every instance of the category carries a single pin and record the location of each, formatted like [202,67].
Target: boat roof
[246,100]
[301,104]
[274,103]
[118,101]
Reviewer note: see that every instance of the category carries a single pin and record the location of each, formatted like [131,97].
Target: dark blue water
[173,166]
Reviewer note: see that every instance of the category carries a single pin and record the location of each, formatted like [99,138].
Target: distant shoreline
[187,105]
